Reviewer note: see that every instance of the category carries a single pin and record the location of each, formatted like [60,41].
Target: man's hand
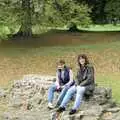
[58,87]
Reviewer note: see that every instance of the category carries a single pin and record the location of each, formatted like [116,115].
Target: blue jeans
[79,91]
[51,91]
[62,94]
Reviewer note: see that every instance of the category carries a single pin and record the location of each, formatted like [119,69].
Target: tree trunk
[73,27]
[26,22]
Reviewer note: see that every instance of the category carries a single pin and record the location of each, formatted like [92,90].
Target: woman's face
[82,61]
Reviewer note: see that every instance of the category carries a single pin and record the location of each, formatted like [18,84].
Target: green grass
[18,60]
[105,58]
[59,50]
[106,27]
[38,29]
[112,81]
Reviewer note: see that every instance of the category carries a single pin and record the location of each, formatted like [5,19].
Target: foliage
[104,11]
[97,14]
[72,12]
[50,13]
[57,13]
[112,10]
[10,15]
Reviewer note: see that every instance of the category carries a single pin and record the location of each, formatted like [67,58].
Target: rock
[2,93]
[94,110]
[28,101]
[113,110]
[90,118]
[101,95]
[111,116]
[7,116]
[30,91]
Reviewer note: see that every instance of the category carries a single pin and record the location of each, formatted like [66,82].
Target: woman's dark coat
[85,78]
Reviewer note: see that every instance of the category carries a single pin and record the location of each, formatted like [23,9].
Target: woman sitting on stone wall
[84,83]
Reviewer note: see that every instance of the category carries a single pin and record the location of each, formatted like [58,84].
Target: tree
[72,13]
[26,20]
[112,10]
[98,14]
[26,13]
[18,12]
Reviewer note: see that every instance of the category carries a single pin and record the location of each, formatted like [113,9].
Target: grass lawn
[39,56]
[38,29]
[110,80]
[15,62]
[106,27]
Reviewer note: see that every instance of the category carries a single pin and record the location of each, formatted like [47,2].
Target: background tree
[26,18]
[52,13]
[97,14]
[112,10]
[71,13]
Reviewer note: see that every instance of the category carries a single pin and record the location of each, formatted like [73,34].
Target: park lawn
[104,27]
[112,81]
[16,62]
[37,29]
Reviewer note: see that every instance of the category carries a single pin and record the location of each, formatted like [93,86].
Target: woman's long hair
[84,57]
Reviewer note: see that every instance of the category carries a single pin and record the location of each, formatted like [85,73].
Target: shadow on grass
[60,37]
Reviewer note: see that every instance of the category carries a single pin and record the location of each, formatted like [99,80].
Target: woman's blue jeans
[79,91]
[51,91]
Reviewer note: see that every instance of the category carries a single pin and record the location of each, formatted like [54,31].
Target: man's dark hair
[61,61]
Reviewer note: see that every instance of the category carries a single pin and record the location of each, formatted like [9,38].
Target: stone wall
[27,100]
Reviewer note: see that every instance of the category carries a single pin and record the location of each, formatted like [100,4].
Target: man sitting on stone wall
[64,80]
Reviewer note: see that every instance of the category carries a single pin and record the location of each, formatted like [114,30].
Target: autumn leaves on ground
[18,58]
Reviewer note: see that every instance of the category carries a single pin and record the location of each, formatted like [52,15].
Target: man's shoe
[50,106]
[73,111]
[61,109]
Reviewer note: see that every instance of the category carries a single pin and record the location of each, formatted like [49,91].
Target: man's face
[60,66]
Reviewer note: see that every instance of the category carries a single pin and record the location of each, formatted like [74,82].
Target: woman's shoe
[61,109]
[72,111]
